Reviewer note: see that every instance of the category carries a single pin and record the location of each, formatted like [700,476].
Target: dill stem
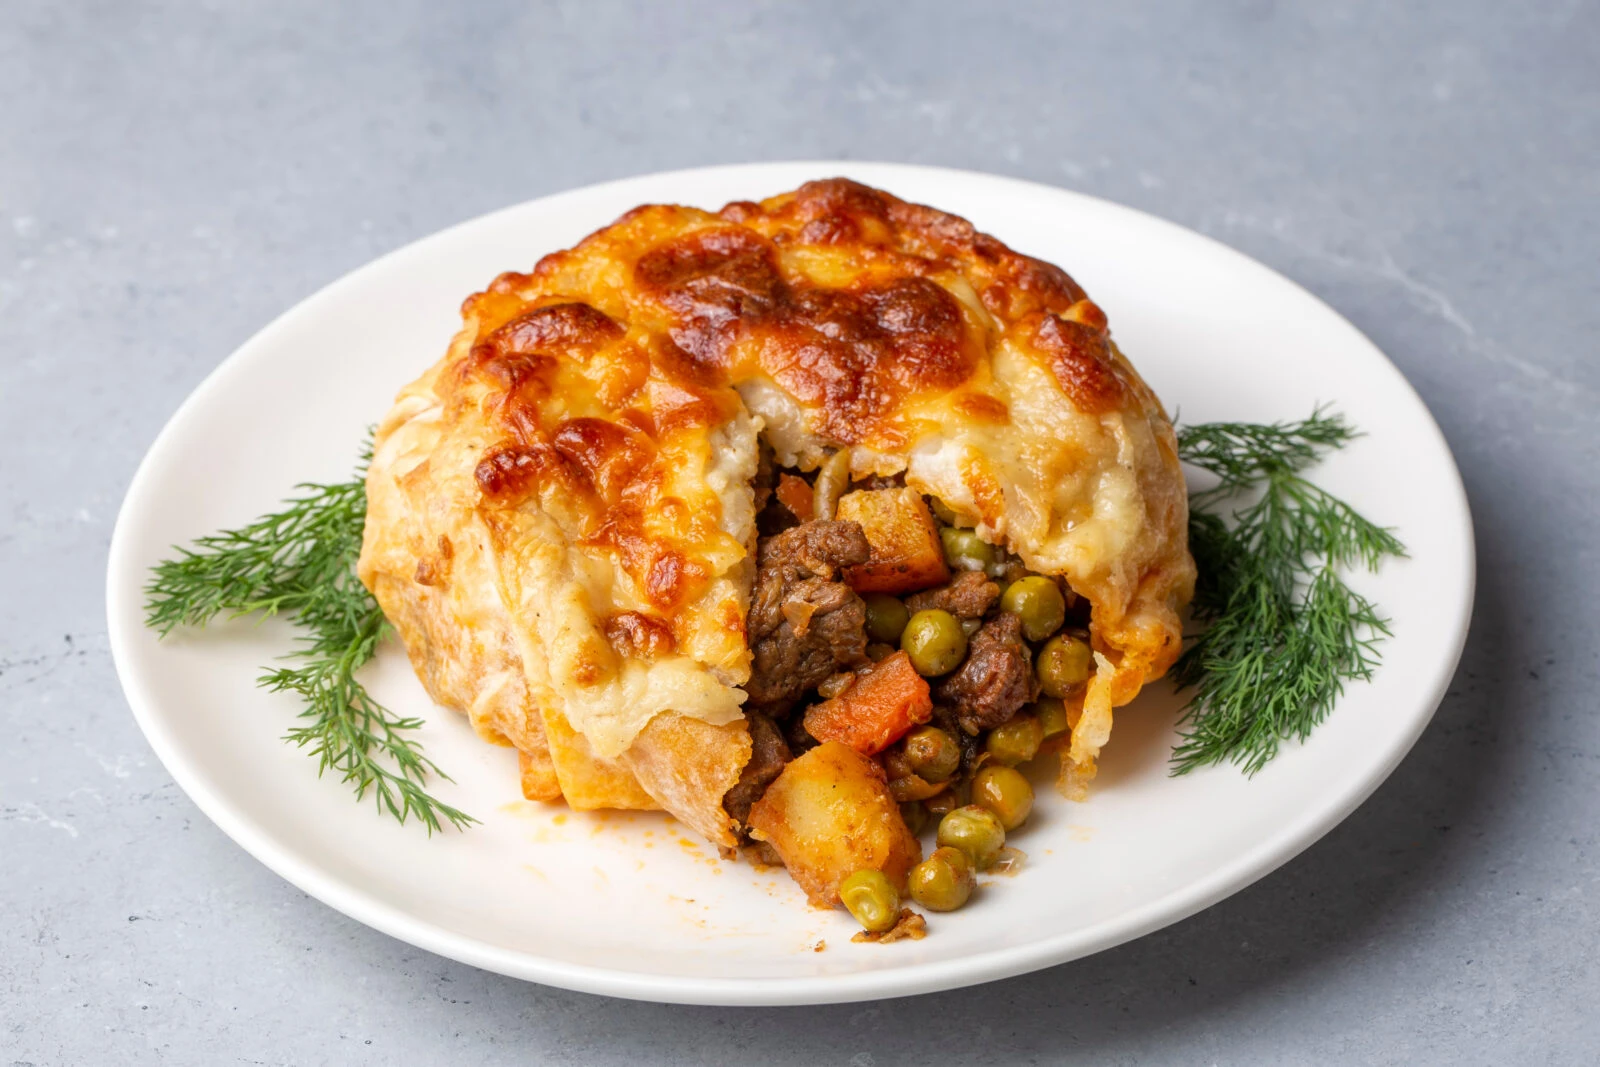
[1282,631]
[300,562]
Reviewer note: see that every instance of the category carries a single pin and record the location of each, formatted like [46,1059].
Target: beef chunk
[818,548]
[971,744]
[966,596]
[803,624]
[769,752]
[996,678]
[799,738]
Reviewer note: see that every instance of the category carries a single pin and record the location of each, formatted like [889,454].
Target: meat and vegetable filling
[903,669]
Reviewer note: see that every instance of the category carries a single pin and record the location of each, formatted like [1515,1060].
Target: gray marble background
[172,177]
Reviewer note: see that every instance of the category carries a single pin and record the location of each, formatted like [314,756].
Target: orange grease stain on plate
[696,850]
[546,835]
[523,809]
[639,830]
[547,823]
[698,921]
[1009,865]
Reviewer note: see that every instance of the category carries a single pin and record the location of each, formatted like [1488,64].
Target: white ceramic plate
[631,906]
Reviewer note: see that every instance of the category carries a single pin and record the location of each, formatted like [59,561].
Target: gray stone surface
[172,177]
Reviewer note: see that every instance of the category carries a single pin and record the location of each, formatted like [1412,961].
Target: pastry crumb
[909,925]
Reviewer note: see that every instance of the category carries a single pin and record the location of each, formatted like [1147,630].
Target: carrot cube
[796,495]
[875,712]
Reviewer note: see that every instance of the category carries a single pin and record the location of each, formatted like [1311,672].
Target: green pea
[1005,792]
[934,641]
[915,816]
[965,550]
[1052,716]
[976,832]
[886,618]
[932,753]
[943,881]
[1038,602]
[871,899]
[1016,741]
[1063,664]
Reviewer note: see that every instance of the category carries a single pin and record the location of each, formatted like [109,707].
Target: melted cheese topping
[605,410]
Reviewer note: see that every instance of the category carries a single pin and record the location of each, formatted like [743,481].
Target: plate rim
[124,583]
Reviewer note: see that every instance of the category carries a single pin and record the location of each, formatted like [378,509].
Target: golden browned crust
[587,445]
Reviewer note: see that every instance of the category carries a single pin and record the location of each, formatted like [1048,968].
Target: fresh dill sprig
[1283,632]
[300,561]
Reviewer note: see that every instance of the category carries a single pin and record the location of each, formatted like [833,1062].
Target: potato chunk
[906,553]
[830,814]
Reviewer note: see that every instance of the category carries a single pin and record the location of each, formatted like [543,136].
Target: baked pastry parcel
[637,514]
